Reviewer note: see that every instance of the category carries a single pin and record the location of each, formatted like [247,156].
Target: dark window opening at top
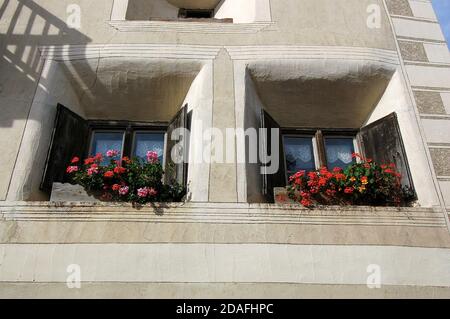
[196,14]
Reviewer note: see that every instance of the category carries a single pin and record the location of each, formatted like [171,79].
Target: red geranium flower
[75,160]
[108,174]
[312,175]
[119,170]
[322,181]
[306,202]
[348,190]
[98,157]
[89,161]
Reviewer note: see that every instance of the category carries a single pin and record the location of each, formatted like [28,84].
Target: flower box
[65,192]
[363,183]
[110,177]
[281,196]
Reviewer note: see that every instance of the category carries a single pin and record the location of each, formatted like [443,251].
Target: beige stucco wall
[221,250]
[28,25]
[220,72]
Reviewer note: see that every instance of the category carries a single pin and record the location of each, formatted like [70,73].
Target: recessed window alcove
[191,15]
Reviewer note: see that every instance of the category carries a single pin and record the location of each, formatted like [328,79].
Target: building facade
[334,77]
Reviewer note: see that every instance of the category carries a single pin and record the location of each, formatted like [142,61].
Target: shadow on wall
[25,26]
[30,27]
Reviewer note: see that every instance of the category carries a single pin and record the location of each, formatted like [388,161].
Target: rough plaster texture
[441,161]
[429,102]
[399,7]
[132,89]
[413,51]
[320,93]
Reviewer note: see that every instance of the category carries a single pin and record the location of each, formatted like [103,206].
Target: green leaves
[363,183]
[133,180]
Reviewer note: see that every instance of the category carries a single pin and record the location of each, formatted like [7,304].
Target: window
[144,141]
[307,149]
[304,152]
[75,136]
[196,14]
[129,142]
[102,141]
[338,151]
[298,153]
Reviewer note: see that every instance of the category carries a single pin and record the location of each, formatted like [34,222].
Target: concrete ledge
[232,213]
[215,291]
[78,222]
[191,27]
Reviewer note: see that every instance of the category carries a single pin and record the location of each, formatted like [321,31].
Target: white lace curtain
[341,152]
[300,152]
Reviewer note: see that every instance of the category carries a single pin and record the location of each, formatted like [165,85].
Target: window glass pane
[144,142]
[299,154]
[105,141]
[339,152]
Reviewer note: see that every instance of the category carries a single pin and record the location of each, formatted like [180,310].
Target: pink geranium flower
[152,157]
[92,170]
[142,192]
[72,169]
[112,153]
[124,190]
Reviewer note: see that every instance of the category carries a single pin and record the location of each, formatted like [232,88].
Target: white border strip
[234,263]
[190,27]
[94,51]
[312,52]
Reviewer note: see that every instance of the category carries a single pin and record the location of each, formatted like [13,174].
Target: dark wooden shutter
[69,138]
[382,142]
[177,172]
[278,179]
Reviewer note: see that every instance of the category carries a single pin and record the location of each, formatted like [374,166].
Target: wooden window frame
[318,136]
[129,128]
[314,145]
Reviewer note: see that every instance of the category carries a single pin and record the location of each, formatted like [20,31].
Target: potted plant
[362,183]
[124,179]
